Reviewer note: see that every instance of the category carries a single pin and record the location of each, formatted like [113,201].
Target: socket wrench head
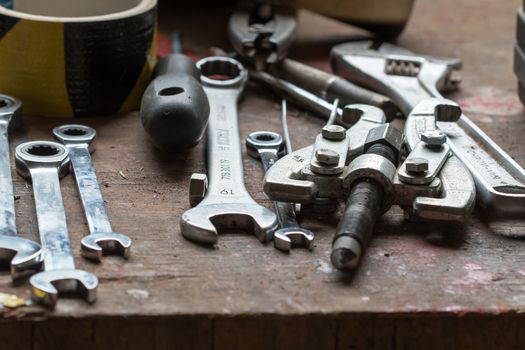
[41,154]
[76,134]
[222,72]
[47,284]
[263,140]
[10,111]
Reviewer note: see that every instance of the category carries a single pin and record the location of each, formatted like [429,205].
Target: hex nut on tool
[198,188]
[434,138]
[385,135]
[416,165]
[334,132]
[327,156]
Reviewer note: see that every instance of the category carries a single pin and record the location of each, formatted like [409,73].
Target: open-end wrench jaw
[94,245]
[23,255]
[77,138]
[287,237]
[203,223]
[47,285]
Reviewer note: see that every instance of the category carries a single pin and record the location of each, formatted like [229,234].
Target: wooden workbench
[411,292]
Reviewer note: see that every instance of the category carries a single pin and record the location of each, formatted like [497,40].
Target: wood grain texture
[465,291]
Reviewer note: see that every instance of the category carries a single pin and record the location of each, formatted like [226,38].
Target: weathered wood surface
[464,292]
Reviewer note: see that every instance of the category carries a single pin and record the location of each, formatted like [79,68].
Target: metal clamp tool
[431,185]
[292,179]
[78,140]
[409,79]
[20,254]
[45,163]
[226,204]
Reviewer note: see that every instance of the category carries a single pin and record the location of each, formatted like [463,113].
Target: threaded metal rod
[357,224]
[363,208]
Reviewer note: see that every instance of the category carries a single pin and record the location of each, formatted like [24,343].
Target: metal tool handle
[299,96]
[7,203]
[225,167]
[88,187]
[285,211]
[51,218]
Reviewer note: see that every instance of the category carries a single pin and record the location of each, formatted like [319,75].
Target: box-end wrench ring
[78,139]
[266,146]
[227,204]
[44,163]
[21,255]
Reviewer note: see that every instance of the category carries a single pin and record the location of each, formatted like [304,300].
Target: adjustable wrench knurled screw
[227,204]
[45,163]
[78,140]
[22,255]
[266,146]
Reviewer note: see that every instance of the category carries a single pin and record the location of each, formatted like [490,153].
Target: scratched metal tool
[409,79]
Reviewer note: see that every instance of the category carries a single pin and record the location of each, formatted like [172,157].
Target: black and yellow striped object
[77,58]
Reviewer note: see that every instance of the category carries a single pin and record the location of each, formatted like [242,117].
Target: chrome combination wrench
[21,255]
[266,146]
[78,139]
[227,205]
[409,79]
[44,163]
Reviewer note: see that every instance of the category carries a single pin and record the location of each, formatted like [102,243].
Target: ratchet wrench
[266,146]
[45,163]
[78,139]
[22,255]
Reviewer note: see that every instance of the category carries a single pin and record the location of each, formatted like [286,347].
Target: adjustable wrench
[45,163]
[227,204]
[78,140]
[409,79]
[266,146]
[21,254]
